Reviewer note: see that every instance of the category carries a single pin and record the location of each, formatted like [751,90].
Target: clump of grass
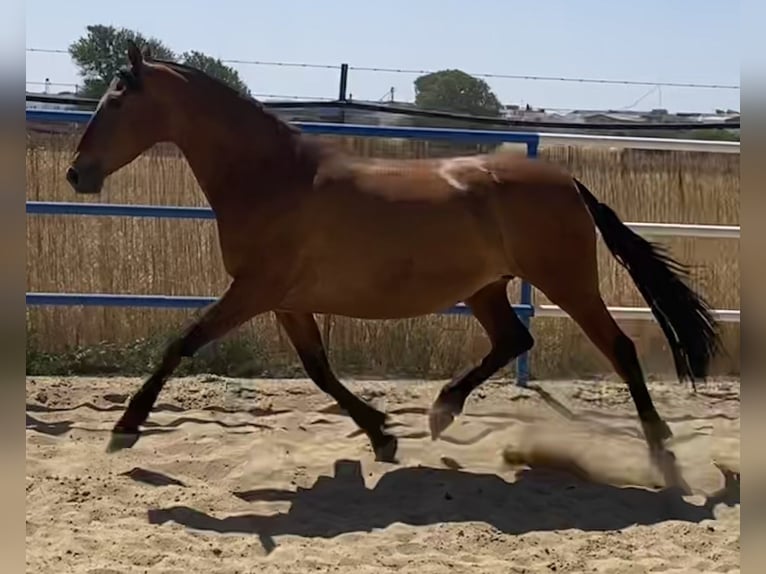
[231,357]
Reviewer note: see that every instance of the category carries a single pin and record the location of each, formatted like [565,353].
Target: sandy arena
[267,476]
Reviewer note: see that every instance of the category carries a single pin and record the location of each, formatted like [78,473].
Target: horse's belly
[372,305]
[398,290]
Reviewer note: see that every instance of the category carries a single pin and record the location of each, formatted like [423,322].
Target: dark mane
[185,69]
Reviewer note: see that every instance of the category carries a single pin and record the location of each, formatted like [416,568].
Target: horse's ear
[146,52]
[134,56]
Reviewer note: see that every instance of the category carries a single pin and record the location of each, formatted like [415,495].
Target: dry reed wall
[182,257]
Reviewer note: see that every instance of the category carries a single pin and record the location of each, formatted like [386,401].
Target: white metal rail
[685,230]
[632,313]
[623,142]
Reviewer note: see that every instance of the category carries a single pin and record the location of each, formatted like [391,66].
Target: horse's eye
[113,102]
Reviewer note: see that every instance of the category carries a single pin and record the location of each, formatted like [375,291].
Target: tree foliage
[456,91]
[216,68]
[101,52]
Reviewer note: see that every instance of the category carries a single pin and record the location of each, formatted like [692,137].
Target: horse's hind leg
[509,338]
[582,301]
[303,332]
[591,314]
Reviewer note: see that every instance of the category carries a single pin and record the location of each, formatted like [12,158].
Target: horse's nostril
[72,176]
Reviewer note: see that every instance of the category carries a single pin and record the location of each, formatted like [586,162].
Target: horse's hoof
[440,417]
[656,433]
[386,452]
[731,477]
[665,462]
[121,440]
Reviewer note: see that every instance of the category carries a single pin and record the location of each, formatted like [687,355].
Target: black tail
[683,315]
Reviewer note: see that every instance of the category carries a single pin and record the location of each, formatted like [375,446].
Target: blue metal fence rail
[177,302]
[525,308]
[118,210]
[350,130]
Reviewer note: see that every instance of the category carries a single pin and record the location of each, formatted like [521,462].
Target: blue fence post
[522,364]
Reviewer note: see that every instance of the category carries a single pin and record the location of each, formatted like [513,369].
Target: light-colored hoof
[665,461]
[121,440]
[440,418]
[731,477]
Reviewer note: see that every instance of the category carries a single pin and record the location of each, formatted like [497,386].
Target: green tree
[456,91]
[101,52]
[216,68]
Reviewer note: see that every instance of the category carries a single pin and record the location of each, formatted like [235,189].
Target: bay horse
[304,229]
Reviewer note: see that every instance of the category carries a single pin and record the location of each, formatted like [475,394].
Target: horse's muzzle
[86,181]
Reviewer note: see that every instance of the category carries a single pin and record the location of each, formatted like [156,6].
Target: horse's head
[130,118]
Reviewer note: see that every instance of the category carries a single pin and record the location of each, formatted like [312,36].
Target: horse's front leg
[242,301]
[303,332]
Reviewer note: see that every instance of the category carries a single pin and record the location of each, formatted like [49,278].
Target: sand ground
[239,476]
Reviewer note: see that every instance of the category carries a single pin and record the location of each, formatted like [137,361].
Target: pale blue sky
[695,41]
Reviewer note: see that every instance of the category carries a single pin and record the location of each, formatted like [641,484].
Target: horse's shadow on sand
[536,501]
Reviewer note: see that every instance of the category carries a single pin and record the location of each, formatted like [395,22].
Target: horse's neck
[231,142]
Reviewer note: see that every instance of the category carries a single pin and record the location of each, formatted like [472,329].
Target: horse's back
[405,237]
[459,198]
[439,180]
